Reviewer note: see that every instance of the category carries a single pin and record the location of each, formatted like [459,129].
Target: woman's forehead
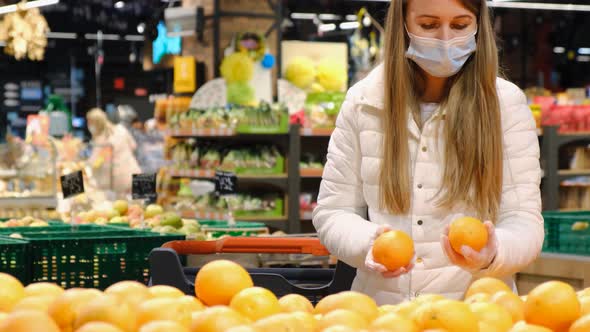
[444,9]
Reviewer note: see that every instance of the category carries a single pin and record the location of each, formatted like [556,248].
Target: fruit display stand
[86,255]
[313,283]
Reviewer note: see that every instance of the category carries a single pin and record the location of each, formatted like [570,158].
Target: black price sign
[225,183]
[143,186]
[72,184]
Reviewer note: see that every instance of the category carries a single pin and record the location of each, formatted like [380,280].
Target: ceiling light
[539,6]
[104,36]
[329,17]
[327,27]
[28,5]
[559,50]
[62,35]
[134,38]
[351,17]
[141,27]
[583,58]
[304,16]
[584,51]
[349,25]
[119,4]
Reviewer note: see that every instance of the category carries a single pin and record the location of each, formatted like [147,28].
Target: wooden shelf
[316,132]
[311,172]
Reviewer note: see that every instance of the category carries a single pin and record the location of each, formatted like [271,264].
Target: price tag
[225,183]
[72,184]
[143,186]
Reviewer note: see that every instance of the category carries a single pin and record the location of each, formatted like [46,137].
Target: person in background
[104,134]
[431,135]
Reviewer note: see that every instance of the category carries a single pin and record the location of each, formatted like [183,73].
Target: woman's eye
[429,26]
[459,26]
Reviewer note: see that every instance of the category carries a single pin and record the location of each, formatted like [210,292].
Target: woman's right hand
[371,265]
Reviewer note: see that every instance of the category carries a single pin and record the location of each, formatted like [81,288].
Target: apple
[121,207]
[168,230]
[171,219]
[153,210]
[118,220]
[101,221]
[112,214]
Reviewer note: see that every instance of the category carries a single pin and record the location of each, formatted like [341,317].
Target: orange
[39,303]
[428,298]
[217,319]
[467,231]
[286,322]
[581,325]
[255,303]
[106,309]
[584,292]
[350,300]
[11,292]
[512,303]
[192,303]
[584,305]
[99,327]
[163,326]
[524,327]
[28,321]
[165,291]
[339,328]
[295,302]
[243,328]
[130,292]
[43,289]
[486,285]
[393,249]
[450,315]
[343,317]
[493,315]
[553,304]
[478,298]
[405,309]
[394,323]
[305,320]
[232,276]
[485,327]
[163,309]
[65,307]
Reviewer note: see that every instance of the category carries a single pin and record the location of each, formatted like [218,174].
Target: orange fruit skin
[164,309]
[255,303]
[163,326]
[553,304]
[449,315]
[492,314]
[131,292]
[487,285]
[524,327]
[394,323]
[217,319]
[467,231]
[512,303]
[339,328]
[350,300]
[585,305]
[43,289]
[191,302]
[106,309]
[581,325]
[286,322]
[28,321]
[66,306]
[11,292]
[343,317]
[98,327]
[295,303]
[165,291]
[393,249]
[232,276]
[478,298]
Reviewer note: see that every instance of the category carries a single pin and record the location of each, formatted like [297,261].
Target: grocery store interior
[145,140]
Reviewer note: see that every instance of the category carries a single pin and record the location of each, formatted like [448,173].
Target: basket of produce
[313,283]
[567,232]
[89,255]
[214,229]
[13,258]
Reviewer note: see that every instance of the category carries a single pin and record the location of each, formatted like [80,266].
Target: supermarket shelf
[566,138]
[316,132]
[573,210]
[221,216]
[311,172]
[210,174]
[563,173]
[24,202]
[209,132]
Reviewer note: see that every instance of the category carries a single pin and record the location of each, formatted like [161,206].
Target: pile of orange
[228,301]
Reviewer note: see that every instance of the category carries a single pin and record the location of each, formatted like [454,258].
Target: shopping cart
[313,283]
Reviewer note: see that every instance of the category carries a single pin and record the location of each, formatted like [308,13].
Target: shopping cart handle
[275,245]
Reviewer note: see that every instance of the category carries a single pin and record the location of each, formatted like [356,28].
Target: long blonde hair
[472,131]
[99,119]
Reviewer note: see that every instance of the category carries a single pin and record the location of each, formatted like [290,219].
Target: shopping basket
[313,283]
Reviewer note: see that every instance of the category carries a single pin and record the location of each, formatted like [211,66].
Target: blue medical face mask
[441,58]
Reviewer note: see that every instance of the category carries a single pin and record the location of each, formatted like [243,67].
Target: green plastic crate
[217,228]
[91,255]
[561,237]
[13,258]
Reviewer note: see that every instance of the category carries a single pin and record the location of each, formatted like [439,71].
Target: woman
[431,135]
[120,147]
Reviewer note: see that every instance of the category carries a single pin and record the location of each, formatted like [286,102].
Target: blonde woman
[431,135]
[124,164]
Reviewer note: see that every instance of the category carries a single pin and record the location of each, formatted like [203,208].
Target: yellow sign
[184,74]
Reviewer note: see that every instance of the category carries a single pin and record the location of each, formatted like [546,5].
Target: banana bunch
[25,33]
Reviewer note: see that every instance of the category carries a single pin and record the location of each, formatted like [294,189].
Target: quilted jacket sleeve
[519,228]
[339,217]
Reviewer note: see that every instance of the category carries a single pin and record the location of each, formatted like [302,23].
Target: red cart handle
[250,245]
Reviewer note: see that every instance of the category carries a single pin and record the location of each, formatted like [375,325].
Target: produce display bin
[567,232]
[313,283]
[218,228]
[13,258]
[89,255]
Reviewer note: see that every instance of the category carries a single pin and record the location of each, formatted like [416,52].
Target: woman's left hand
[470,259]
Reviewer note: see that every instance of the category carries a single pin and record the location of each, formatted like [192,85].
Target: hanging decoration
[25,33]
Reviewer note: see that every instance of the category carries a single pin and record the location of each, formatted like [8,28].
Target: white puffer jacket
[350,190]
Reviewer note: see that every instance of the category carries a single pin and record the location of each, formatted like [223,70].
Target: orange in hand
[393,249]
[467,231]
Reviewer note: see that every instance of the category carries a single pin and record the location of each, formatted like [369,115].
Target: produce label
[72,184]
[143,186]
[225,182]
